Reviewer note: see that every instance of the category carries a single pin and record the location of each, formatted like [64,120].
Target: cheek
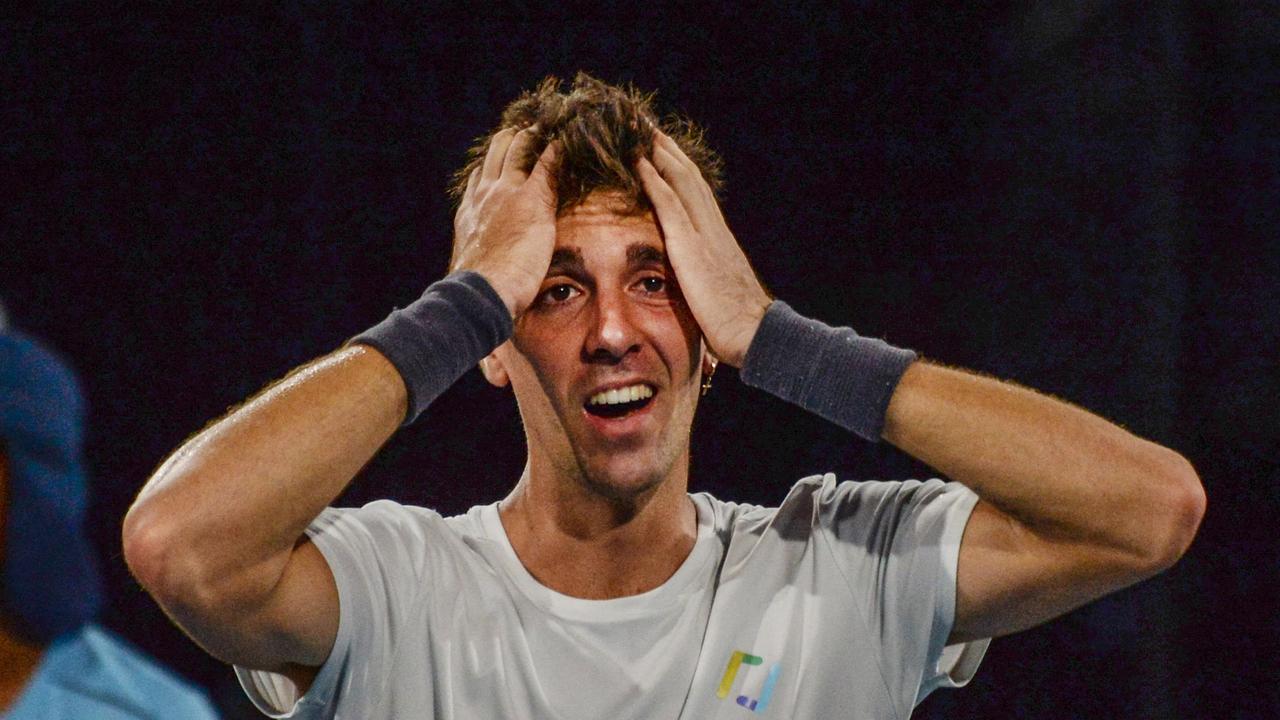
[545,339]
[691,334]
[532,370]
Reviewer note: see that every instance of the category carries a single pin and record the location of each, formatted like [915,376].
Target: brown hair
[602,129]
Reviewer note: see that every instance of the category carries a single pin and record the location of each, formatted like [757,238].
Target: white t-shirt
[836,604]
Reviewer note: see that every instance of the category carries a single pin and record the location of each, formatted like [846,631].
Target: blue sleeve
[94,673]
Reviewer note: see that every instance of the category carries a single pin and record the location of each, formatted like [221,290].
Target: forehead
[601,229]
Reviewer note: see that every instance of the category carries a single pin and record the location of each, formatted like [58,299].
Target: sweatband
[833,372]
[436,339]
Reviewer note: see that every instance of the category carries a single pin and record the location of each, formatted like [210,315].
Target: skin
[1072,506]
[608,313]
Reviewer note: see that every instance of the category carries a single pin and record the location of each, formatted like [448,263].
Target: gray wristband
[437,338]
[833,372]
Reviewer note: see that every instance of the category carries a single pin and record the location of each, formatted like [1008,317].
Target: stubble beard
[650,465]
[591,469]
[633,485]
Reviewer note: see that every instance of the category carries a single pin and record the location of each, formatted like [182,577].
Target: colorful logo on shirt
[736,661]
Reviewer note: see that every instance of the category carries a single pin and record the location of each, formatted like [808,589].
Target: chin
[623,478]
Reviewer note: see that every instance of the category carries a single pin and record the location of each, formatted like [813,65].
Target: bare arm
[212,535]
[1072,506]
[217,533]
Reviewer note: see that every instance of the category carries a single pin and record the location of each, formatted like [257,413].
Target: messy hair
[603,129]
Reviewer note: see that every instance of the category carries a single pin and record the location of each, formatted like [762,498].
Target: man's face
[606,363]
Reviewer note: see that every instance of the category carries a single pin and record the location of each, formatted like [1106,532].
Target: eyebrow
[569,262]
[642,254]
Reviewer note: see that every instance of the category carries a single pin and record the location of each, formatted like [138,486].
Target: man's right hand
[505,228]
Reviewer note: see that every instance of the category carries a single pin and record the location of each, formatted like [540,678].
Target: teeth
[631,393]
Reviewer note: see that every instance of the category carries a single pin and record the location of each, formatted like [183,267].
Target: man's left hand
[714,275]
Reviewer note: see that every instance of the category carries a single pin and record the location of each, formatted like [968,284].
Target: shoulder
[883,517]
[822,502]
[383,514]
[380,525]
[794,519]
[873,496]
[408,539]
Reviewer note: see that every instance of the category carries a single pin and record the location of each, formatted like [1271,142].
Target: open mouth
[620,402]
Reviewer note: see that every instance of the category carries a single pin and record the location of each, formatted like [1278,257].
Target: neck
[18,662]
[581,543]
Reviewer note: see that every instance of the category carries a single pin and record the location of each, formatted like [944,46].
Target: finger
[670,166]
[681,161]
[672,216]
[497,153]
[669,144]
[541,180]
[546,166]
[685,186]
[711,205]
[472,180]
[517,151]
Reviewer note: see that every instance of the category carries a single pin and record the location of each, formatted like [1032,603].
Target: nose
[613,333]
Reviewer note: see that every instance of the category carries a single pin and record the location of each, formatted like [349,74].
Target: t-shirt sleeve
[897,545]
[377,556]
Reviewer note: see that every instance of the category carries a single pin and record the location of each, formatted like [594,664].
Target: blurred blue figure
[55,663]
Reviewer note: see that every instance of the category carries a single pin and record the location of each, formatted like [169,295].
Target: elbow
[1182,504]
[162,559]
[154,556]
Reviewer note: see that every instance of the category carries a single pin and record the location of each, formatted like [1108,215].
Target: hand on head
[505,227]
[715,276]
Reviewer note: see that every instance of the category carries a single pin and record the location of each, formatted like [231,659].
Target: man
[594,274]
[55,662]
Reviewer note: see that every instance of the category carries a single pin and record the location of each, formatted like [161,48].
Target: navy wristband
[437,338]
[833,372]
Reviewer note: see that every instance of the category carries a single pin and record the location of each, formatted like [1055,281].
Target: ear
[709,360]
[494,371]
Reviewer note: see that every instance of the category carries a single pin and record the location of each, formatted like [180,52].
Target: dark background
[1078,196]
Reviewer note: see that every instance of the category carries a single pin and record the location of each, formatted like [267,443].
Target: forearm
[224,512]
[1056,468]
[1060,470]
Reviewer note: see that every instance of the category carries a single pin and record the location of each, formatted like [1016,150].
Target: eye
[558,293]
[654,285]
